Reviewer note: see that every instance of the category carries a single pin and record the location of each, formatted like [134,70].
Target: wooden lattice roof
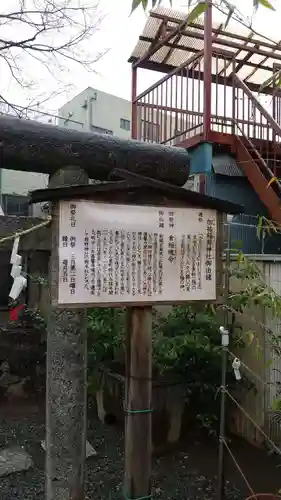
[167,42]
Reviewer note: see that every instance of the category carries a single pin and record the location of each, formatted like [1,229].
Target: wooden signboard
[112,254]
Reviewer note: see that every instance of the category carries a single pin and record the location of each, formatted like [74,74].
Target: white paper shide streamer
[20,282]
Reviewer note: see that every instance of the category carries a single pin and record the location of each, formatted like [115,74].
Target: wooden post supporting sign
[138,407]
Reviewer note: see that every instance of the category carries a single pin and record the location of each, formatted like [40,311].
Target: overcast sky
[118,33]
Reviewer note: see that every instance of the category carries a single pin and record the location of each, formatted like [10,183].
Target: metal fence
[251,237]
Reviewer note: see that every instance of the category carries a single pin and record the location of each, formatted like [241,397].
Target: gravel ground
[174,477]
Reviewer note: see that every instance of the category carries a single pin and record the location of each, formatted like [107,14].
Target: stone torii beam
[35,147]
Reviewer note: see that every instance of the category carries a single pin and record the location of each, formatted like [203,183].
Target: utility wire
[239,468]
[278,450]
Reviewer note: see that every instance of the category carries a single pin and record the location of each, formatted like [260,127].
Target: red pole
[134,104]
[207,70]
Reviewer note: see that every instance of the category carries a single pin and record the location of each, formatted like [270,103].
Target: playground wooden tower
[211,97]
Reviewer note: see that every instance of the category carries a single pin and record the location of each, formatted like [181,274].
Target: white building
[97,111]
[15,186]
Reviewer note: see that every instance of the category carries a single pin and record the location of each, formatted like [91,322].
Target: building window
[13,204]
[100,130]
[125,124]
[150,131]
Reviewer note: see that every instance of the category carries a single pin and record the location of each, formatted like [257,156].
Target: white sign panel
[124,254]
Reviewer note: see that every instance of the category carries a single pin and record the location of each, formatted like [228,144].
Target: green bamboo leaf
[278,83]
[273,179]
[258,352]
[259,227]
[229,16]
[136,4]
[276,405]
[261,294]
[199,9]
[271,225]
[268,364]
[272,79]
[266,4]
[251,337]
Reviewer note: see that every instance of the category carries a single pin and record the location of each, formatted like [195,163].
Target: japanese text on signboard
[112,254]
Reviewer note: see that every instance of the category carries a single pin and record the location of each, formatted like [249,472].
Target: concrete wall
[94,108]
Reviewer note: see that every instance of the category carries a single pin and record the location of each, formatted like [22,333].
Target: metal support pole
[221,465]
[224,343]
[66,397]
[207,71]
[234,97]
[134,129]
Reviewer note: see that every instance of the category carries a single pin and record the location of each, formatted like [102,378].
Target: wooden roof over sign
[133,189]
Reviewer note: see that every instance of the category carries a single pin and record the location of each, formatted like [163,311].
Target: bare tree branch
[52,33]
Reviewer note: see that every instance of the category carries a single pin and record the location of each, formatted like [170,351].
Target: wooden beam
[218,31]
[235,45]
[138,439]
[161,43]
[260,64]
[242,62]
[223,53]
[237,54]
[193,50]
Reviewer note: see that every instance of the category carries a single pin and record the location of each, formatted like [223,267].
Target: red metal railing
[257,127]
[222,93]
[171,110]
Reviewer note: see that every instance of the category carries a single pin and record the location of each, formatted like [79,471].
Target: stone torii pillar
[66,395]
